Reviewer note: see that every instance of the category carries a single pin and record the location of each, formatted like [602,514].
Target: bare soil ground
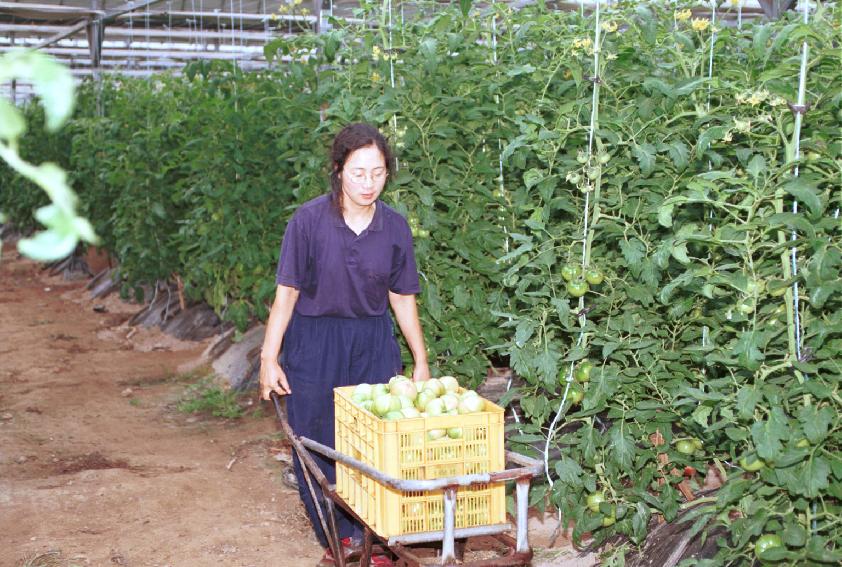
[99,467]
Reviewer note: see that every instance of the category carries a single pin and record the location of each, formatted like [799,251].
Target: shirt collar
[376,223]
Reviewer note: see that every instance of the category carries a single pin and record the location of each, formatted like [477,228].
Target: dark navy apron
[322,353]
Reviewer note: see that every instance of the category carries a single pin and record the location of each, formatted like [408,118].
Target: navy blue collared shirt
[339,273]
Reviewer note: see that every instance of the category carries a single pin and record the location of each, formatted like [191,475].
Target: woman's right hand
[273,379]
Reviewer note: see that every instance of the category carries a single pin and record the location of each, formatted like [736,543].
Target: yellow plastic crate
[401,449]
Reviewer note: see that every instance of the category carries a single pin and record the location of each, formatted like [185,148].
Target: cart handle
[533,468]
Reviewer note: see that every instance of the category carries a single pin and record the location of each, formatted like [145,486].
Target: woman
[345,258]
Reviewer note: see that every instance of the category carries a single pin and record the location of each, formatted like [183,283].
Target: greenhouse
[292,282]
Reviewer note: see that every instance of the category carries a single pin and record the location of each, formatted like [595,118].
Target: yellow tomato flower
[683,15]
[304,11]
[728,136]
[611,56]
[609,27]
[700,24]
[296,2]
[375,77]
[375,52]
[777,101]
[742,125]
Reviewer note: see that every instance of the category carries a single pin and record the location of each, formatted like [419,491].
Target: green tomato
[582,157]
[594,499]
[571,271]
[746,307]
[802,443]
[766,542]
[697,443]
[593,173]
[574,178]
[594,276]
[577,287]
[604,158]
[685,447]
[610,519]
[751,463]
[583,371]
[576,394]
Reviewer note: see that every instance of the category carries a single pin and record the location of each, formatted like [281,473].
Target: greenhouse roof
[144,37]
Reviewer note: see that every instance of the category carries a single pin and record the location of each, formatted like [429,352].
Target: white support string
[148,47]
[802,86]
[583,318]
[169,24]
[705,329]
[712,41]
[233,31]
[131,36]
[194,36]
[391,55]
[501,180]
[242,44]
[796,134]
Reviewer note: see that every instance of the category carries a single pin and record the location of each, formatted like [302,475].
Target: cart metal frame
[516,551]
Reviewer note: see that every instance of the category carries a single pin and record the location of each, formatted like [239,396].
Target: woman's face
[363,177]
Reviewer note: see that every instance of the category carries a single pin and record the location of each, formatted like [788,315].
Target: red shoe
[349,550]
[381,561]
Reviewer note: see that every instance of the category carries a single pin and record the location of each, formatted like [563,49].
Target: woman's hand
[273,379]
[421,372]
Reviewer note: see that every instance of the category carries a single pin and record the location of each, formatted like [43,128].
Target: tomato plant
[684,195]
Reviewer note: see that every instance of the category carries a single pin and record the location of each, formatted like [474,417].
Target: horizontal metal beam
[50,9]
[141,54]
[211,16]
[113,31]
[103,19]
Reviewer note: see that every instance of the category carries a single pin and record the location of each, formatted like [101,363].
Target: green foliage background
[688,192]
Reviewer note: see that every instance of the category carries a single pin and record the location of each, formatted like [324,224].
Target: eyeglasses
[360,175]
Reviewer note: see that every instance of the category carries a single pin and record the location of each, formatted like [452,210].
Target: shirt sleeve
[292,260]
[404,276]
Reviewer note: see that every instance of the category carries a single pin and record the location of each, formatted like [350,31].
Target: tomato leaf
[805,189]
[645,154]
[816,422]
[569,472]
[621,447]
[767,434]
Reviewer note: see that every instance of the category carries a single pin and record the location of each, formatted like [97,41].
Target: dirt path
[107,477]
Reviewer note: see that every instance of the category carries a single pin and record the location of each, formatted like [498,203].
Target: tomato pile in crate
[421,447]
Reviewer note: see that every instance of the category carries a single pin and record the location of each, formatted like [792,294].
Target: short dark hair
[351,138]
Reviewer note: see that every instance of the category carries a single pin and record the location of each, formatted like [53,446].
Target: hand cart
[450,543]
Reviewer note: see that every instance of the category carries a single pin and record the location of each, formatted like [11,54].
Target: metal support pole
[448,552]
[317,12]
[522,489]
[14,81]
[339,558]
[368,544]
